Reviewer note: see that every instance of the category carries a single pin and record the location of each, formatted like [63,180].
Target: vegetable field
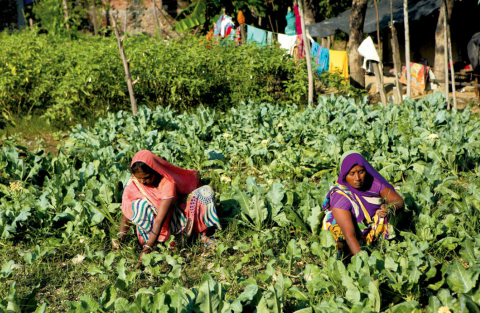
[271,167]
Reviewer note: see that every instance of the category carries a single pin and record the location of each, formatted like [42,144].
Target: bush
[70,79]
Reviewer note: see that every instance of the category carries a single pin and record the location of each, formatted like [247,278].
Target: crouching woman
[357,205]
[162,199]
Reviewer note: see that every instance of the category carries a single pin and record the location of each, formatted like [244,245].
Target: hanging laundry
[286,42]
[269,38]
[218,26]
[298,50]
[257,35]
[298,22]
[240,18]
[238,36]
[290,29]
[368,51]
[320,58]
[339,63]
[226,26]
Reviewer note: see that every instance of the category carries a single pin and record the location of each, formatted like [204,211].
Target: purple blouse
[341,202]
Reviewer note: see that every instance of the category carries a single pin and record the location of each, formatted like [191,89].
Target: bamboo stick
[126,67]
[307,53]
[407,48]
[449,45]
[445,54]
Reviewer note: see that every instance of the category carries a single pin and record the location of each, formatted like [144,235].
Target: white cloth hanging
[225,22]
[368,51]
[286,41]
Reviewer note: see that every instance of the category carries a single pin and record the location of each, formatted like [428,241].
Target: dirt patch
[465,96]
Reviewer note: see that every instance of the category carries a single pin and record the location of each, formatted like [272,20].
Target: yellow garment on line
[339,62]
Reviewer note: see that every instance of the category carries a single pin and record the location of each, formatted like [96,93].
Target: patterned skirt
[196,214]
[366,234]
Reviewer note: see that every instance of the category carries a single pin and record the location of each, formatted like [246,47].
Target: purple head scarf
[351,159]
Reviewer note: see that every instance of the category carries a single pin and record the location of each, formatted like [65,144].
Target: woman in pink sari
[162,199]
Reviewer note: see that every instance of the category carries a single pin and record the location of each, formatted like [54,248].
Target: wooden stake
[407,48]
[379,41]
[307,53]
[397,63]
[157,23]
[126,67]
[379,80]
[445,53]
[449,42]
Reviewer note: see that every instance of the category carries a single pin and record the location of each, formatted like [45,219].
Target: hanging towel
[286,42]
[257,35]
[339,62]
[240,18]
[269,38]
[290,29]
[320,58]
[300,53]
[298,22]
[368,51]
[226,26]
[218,26]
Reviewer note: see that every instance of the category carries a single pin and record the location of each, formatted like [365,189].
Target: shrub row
[64,78]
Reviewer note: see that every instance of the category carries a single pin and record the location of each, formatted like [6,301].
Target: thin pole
[396,59]
[157,23]
[126,67]
[407,48]
[452,71]
[378,32]
[445,54]
[307,53]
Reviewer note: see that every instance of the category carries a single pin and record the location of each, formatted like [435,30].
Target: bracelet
[121,233]
[147,246]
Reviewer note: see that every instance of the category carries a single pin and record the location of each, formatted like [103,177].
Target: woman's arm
[162,212]
[391,197]
[344,220]
[122,234]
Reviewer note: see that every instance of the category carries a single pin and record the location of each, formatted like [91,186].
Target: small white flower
[78,259]
[432,136]
[264,142]
[89,79]
[444,309]
[225,179]
[279,124]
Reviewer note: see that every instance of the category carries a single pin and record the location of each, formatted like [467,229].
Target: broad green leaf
[461,279]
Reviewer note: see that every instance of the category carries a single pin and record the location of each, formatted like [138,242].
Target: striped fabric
[143,217]
[197,215]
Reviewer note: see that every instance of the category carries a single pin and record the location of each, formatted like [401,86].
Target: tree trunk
[440,44]
[65,13]
[20,16]
[93,11]
[355,60]
[309,12]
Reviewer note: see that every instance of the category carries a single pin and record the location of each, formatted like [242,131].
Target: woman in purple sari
[357,205]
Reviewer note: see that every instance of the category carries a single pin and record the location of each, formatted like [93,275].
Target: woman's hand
[145,250]
[383,211]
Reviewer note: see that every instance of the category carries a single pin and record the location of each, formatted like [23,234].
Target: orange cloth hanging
[240,18]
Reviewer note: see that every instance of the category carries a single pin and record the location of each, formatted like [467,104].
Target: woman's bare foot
[207,241]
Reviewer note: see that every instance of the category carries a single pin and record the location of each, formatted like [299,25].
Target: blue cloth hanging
[257,35]
[320,58]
